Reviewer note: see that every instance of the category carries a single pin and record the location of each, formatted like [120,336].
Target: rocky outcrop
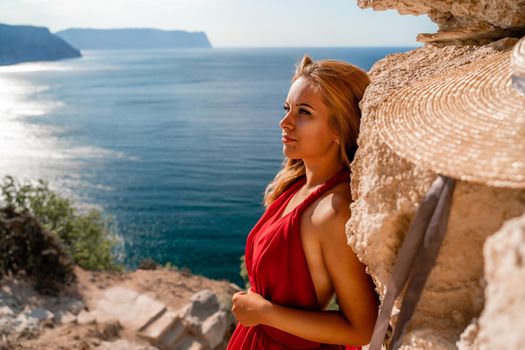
[462,306]
[201,324]
[133,38]
[139,310]
[386,190]
[27,43]
[464,22]
[502,318]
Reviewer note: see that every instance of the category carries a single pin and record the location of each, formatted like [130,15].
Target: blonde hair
[342,86]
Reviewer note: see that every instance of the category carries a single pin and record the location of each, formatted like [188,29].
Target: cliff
[27,43]
[471,299]
[134,38]
[465,22]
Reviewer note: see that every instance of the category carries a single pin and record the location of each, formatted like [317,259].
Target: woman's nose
[286,122]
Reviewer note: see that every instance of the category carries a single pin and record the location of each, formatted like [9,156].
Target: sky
[231,23]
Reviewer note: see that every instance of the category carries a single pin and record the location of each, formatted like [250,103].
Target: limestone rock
[21,321]
[103,318]
[66,317]
[189,342]
[121,295]
[76,306]
[172,336]
[86,317]
[462,22]
[6,311]
[168,327]
[26,326]
[91,319]
[40,314]
[502,319]
[213,328]
[132,309]
[203,304]
[123,344]
[386,190]
[204,320]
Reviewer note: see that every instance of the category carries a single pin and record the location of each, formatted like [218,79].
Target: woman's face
[305,129]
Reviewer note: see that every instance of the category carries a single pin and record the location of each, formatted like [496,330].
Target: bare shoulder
[332,210]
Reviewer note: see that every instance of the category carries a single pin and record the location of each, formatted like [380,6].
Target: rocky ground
[143,309]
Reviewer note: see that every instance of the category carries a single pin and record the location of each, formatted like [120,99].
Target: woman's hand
[248,308]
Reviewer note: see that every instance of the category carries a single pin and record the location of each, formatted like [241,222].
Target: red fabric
[278,270]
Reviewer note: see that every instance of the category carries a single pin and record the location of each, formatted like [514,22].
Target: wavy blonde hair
[342,86]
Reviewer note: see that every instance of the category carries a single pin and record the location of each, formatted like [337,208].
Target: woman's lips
[287,139]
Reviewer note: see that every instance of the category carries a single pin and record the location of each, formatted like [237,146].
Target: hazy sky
[231,23]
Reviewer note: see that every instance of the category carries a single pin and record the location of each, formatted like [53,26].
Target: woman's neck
[320,172]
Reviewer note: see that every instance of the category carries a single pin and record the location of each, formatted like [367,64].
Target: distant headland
[133,38]
[23,43]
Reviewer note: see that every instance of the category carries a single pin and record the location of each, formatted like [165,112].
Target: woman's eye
[304,111]
[301,110]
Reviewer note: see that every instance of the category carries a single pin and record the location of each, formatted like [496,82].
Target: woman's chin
[290,154]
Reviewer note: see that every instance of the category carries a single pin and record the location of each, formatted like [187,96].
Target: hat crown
[467,123]
[517,66]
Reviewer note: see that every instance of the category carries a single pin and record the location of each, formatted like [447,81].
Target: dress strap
[342,175]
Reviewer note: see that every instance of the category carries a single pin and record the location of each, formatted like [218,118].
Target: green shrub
[87,237]
[26,247]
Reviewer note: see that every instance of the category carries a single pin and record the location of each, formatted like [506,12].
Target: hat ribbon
[415,260]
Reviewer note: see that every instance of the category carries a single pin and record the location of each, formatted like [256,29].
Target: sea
[175,146]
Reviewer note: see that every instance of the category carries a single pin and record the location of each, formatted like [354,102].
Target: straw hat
[468,123]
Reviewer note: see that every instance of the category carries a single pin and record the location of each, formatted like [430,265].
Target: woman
[297,254]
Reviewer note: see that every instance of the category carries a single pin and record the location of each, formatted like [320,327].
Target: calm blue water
[176,145]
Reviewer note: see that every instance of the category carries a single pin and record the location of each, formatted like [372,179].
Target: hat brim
[468,123]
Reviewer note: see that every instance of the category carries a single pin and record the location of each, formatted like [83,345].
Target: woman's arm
[353,324]
[329,327]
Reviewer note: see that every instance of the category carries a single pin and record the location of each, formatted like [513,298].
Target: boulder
[133,310]
[386,190]
[167,327]
[502,318]
[214,327]
[461,22]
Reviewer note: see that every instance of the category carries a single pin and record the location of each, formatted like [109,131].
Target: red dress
[278,270]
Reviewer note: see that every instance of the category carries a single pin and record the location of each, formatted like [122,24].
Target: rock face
[387,189]
[462,22]
[100,39]
[201,324]
[27,43]
[160,309]
[502,317]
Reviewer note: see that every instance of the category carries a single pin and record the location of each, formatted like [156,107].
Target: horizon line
[258,47]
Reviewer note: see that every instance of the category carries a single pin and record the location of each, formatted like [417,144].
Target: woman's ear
[335,134]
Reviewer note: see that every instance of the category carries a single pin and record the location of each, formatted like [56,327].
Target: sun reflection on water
[30,151]
[35,67]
